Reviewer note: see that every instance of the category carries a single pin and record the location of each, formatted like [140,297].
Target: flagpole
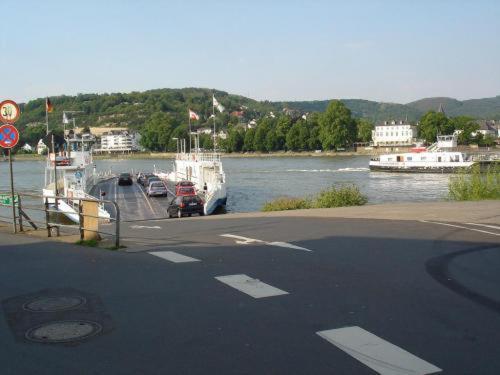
[213,115]
[46,117]
[189,115]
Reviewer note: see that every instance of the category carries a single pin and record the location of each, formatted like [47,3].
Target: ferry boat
[205,171]
[440,157]
[76,175]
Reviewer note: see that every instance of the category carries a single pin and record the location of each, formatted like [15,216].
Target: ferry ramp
[132,200]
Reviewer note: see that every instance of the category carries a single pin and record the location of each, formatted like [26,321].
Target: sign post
[9,136]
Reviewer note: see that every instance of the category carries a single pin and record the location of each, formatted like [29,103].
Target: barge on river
[441,157]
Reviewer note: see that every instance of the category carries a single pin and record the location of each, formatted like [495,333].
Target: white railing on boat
[198,157]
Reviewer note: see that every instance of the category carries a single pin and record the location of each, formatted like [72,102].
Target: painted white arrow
[144,226]
[240,240]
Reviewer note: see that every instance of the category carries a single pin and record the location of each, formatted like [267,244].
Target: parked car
[184,187]
[139,177]
[149,179]
[156,189]
[186,205]
[125,179]
[142,179]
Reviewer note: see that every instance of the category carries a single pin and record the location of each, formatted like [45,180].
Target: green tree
[488,140]
[432,124]
[234,141]
[365,128]
[465,126]
[156,133]
[259,141]
[292,138]
[248,140]
[283,126]
[272,141]
[337,127]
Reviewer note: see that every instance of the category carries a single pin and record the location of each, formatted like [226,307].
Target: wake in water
[329,170]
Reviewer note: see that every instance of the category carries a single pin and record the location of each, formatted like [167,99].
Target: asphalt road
[430,289]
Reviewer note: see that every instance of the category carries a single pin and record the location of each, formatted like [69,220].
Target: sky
[392,51]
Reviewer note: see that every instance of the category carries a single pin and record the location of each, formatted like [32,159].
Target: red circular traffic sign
[9,136]
[9,111]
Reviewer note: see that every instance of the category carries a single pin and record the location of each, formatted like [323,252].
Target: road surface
[263,295]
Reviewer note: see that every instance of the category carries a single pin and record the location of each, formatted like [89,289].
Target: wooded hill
[134,110]
[486,108]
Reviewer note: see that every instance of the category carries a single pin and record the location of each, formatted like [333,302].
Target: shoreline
[171,155]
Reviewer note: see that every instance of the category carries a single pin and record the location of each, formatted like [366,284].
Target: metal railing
[47,212]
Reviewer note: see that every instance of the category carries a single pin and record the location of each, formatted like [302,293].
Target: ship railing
[44,213]
[199,156]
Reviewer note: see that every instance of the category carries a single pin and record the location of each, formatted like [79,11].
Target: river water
[253,181]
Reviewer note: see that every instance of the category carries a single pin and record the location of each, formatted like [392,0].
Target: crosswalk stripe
[380,355]
[252,287]
[174,257]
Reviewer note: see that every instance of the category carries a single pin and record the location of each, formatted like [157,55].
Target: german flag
[48,105]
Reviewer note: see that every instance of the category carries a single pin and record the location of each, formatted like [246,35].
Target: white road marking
[252,287]
[174,257]
[484,225]
[146,198]
[380,355]
[240,240]
[144,226]
[461,227]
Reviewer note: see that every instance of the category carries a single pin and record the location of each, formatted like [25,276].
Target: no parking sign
[9,136]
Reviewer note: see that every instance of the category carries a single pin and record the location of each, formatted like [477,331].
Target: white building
[204,131]
[394,133]
[488,128]
[120,141]
[27,148]
[41,147]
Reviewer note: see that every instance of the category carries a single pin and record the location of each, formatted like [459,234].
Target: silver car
[156,189]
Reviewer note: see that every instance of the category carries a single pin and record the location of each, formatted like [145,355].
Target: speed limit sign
[9,111]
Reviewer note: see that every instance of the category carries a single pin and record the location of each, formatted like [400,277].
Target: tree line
[333,129]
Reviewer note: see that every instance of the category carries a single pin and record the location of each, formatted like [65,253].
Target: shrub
[283,204]
[473,184]
[348,195]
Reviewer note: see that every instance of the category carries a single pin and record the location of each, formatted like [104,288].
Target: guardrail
[46,212]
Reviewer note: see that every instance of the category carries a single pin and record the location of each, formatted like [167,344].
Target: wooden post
[90,211]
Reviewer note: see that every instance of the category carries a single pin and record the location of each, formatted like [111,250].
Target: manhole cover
[52,304]
[63,331]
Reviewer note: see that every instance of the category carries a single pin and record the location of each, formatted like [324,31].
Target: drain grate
[64,331]
[53,304]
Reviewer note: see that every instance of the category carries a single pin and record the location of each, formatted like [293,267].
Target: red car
[184,188]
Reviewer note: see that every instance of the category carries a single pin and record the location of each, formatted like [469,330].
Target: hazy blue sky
[278,50]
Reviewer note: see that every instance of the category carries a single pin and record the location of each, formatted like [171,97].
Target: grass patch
[89,243]
[347,195]
[474,185]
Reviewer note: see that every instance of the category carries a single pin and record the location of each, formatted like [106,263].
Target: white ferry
[76,175]
[437,158]
[205,171]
